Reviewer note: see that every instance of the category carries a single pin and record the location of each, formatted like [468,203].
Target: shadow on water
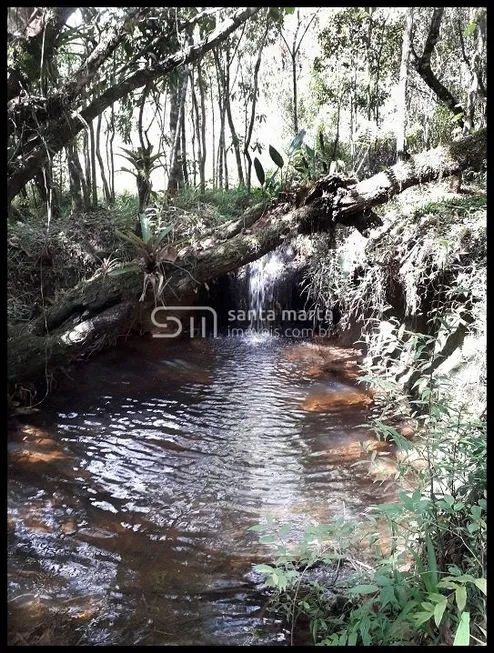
[131,493]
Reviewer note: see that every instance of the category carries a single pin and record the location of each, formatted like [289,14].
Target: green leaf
[276,156]
[422,617]
[446,584]
[382,581]
[263,569]
[462,637]
[272,182]
[476,512]
[454,570]
[145,228]
[439,611]
[267,539]
[430,578]
[131,172]
[259,171]
[387,595]
[310,152]
[481,583]
[296,143]
[163,233]
[470,28]
[363,589]
[461,597]
[284,530]
[131,238]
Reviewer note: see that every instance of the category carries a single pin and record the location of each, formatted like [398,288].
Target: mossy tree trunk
[108,304]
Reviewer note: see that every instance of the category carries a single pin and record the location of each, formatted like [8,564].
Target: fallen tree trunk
[93,309]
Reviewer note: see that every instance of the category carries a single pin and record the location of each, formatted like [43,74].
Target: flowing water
[263,275]
[131,493]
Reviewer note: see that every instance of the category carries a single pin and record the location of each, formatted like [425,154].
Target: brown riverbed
[132,490]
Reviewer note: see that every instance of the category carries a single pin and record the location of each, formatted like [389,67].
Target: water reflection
[131,495]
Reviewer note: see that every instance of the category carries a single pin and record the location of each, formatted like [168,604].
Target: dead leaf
[167,253]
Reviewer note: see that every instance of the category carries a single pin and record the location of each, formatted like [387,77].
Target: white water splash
[263,275]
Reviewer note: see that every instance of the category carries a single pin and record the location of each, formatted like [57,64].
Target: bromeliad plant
[144,164]
[154,251]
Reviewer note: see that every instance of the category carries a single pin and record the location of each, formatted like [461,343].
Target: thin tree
[401,118]
[294,50]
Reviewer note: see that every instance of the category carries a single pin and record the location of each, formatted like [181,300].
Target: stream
[131,492]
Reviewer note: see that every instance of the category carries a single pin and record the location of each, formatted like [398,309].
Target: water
[130,495]
[263,275]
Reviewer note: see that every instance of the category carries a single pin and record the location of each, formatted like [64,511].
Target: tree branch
[422,65]
[56,134]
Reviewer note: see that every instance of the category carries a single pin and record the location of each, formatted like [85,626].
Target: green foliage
[430,588]
[150,247]
[143,160]
[261,176]
[296,143]
[459,205]
[276,157]
[220,204]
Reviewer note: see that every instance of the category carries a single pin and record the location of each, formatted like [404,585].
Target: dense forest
[262,158]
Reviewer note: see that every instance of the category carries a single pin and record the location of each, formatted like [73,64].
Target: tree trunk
[74,178]
[110,157]
[94,184]
[475,88]
[196,135]
[423,67]
[337,136]
[57,132]
[250,126]
[85,314]
[47,190]
[202,158]
[401,101]
[213,131]
[87,167]
[183,147]
[177,107]
[76,169]
[294,89]
[106,188]
[227,183]
[233,131]
[221,137]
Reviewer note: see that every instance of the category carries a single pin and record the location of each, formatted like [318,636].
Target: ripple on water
[162,458]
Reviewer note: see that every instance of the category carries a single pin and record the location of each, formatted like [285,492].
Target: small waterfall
[264,291]
[263,275]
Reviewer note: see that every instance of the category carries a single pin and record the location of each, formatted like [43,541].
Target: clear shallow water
[131,494]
